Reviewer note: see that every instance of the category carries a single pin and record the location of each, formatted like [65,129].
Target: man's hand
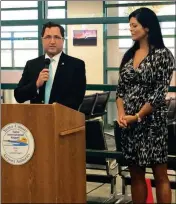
[130,119]
[43,76]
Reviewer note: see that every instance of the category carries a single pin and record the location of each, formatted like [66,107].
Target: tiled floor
[98,192]
[101,194]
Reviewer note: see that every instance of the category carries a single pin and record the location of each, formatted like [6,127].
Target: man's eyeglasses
[55,37]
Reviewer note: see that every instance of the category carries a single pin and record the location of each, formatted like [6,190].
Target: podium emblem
[17,144]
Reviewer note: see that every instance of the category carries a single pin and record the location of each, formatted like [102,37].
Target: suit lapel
[61,60]
[41,67]
[60,67]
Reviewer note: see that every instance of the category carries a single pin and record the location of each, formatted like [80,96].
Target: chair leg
[123,186]
[113,185]
[123,197]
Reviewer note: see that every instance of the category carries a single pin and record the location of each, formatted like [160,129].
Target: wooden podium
[56,173]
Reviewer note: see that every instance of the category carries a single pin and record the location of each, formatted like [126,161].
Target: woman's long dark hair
[148,19]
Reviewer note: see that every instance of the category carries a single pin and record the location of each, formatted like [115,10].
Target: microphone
[47,62]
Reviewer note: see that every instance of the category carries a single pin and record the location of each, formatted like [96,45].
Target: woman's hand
[120,119]
[130,119]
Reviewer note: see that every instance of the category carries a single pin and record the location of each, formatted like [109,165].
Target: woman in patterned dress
[145,73]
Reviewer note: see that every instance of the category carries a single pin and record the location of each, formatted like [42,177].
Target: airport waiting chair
[95,140]
[88,105]
[171,103]
[100,105]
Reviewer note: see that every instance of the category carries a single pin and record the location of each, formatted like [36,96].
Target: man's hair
[50,25]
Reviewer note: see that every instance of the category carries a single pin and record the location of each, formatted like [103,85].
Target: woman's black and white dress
[145,143]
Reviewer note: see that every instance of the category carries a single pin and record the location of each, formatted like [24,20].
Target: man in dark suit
[64,82]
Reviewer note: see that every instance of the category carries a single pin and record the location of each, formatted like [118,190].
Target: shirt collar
[56,57]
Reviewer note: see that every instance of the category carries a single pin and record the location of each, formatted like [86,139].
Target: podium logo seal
[17,144]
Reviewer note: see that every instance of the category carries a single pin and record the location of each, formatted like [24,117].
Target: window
[168,28]
[22,56]
[25,45]
[56,3]
[125,43]
[5,35]
[113,77]
[173,51]
[23,34]
[56,13]
[56,10]
[6,58]
[6,44]
[124,29]
[19,28]
[158,9]
[169,42]
[18,15]
[112,29]
[18,4]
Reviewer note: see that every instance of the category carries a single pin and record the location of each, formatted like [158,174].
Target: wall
[92,55]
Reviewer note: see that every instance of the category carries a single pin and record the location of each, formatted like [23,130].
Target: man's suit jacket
[69,83]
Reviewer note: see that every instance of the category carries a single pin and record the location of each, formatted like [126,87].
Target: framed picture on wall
[85,37]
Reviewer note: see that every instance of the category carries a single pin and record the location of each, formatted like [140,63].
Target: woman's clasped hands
[125,120]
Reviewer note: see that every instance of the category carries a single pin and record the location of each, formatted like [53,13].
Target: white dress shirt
[54,63]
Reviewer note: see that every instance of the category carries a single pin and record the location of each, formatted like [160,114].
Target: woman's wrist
[138,118]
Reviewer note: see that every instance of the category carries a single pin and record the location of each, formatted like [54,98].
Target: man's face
[52,41]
